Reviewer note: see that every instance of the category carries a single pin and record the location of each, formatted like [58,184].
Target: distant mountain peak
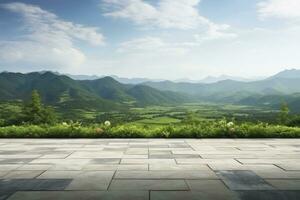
[223,77]
[288,73]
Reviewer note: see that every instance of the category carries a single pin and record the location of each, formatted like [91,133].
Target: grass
[203,110]
[158,120]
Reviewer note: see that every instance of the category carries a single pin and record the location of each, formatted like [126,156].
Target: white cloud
[48,41]
[285,9]
[37,56]
[167,14]
[151,46]
[215,32]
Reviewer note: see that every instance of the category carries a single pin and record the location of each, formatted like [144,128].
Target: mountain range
[208,79]
[103,94]
[117,78]
[106,93]
[283,83]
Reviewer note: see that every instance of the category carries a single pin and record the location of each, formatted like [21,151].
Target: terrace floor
[156,169]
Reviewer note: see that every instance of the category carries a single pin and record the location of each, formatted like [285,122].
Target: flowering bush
[205,129]
[230,124]
[107,123]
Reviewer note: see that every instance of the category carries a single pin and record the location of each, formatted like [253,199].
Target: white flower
[107,123]
[230,124]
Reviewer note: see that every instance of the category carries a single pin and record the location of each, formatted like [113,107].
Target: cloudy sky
[168,39]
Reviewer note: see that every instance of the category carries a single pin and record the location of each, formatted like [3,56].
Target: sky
[162,39]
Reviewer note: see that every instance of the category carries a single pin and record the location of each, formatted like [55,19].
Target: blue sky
[168,39]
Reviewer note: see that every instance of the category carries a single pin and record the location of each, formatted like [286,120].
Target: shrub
[205,129]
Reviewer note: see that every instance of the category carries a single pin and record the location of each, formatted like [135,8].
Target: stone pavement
[156,169]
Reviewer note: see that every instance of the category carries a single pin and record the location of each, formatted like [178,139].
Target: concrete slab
[146,169]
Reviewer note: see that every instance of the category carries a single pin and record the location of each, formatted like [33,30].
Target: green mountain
[54,89]
[62,91]
[231,91]
[274,101]
[147,95]
[275,85]
[108,94]
[108,88]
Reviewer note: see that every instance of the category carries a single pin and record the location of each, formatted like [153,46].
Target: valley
[149,109]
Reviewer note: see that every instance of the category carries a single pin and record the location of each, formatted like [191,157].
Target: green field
[201,111]
[155,115]
[193,120]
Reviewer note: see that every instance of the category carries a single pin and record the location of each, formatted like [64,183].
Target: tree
[36,113]
[191,118]
[284,113]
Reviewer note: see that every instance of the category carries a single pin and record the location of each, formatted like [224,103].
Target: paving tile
[207,185]
[60,161]
[129,168]
[170,156]
[147,161]
[33,184]
[290,166]
[276,173]
[184,145]
[125,167]
[81,195]
[61,167]
[162,151]
[268,161]
[32,167]
[137,151]
[6,167]
[226,156]
[91,180]
[60,174]
[206,161]
[238,166]
[110,149]
[3,173]
[285,184]
[148,185]
[105,161]
[19,156]
[96,155]
[10,152]
[16,160]
[243,180]
[269,195]
[135,156]
[200,195]
[19,174]
[55,156]
[200,174]
[167,167]
[227,166]
[5,194]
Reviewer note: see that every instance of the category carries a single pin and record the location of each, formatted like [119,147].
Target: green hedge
[218,129]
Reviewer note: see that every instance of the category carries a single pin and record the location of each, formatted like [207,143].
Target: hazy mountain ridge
[282,86]
[117,78]
[208,79]
[288,73]
[276,84]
